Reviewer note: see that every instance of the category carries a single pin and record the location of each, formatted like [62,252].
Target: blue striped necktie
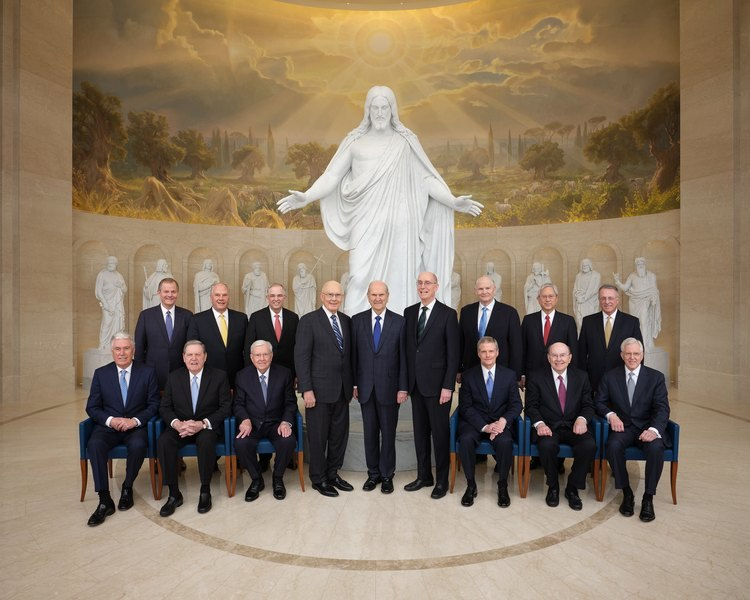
[337,333]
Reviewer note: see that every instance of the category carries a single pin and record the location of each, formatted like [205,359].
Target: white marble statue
[383,201]
[305,290]
[110,292]
[202,283]
[534,282]
[586,291]
[644,303]
[496,279]
[151,287]
[344,281]
[255,288]
[455,290]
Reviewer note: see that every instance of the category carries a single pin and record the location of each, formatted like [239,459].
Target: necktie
[223,328]
[562,393]
[546,329]
[631,387]
[170,325]
[421,322]
[337,333]
[264,388]
[376,332]
[277,327]
[607,331]
[483,322]
[490,385]
[194,392]
[124,387]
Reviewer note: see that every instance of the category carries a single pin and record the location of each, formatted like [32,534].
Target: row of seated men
[380,358]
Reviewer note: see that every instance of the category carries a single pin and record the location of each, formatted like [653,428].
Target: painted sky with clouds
[516,64]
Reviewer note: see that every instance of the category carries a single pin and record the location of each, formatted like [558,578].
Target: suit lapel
[474,319]
[327,325]
[552,388]
[431,318]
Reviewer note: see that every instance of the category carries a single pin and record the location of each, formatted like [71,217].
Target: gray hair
[121,335]
[193,343]
[259,343]
[548,285]
[488,339]
[629,341]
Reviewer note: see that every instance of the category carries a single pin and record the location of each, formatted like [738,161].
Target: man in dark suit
[602,334]
[488,405]
[545,327]
[277,325]
[501,322]
[161,332]
[559,404]
[634,401]
[124,396]
[432,357]
[195,404]
[379,359]
[322,357]
[222,331]
[265,406]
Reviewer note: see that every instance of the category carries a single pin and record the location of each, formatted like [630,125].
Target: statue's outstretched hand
[293,201]
[465,204]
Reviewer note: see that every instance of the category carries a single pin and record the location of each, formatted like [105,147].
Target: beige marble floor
[369,545]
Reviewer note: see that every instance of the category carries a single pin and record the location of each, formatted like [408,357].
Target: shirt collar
[492,370]
[217,313]
[636,372]
[489,307]
[429,306]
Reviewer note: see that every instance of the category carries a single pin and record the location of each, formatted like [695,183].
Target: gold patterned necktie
[223,328]
[607,331]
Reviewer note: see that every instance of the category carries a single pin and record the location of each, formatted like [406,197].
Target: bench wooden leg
[84,477]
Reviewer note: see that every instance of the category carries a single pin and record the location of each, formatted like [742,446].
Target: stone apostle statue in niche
[534,282]
[383,201]
[496,279]
[202,283]
[305,290]
[151,287]
[586,291]
[110,292]
[255,287]
[645,302]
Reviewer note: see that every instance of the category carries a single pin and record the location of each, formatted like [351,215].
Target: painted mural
[208,111]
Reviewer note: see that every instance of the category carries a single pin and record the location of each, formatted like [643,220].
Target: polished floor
[369,545]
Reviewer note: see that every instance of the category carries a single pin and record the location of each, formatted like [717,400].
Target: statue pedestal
[93,358]
[658,358]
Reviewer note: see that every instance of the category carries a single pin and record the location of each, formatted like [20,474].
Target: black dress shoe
[418,484]
[503,499]
[371,483]
[256,487]
[103,510]
[647,511]
[204,502]
[325,489]
[279,491]
[170,505]
[126,499]
[387,485]
[439,491]
[468,498]
[574,500]
[627,505]
[553,496]
[339,483]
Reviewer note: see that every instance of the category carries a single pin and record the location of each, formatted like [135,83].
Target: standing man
[602,334]
[322,356]
[490,317]
[488,405]
[194,407]
[123,397]
[161,332]
[265,406]
[559,404]
[379,359]
[222,331]
[432,357]
[634,401]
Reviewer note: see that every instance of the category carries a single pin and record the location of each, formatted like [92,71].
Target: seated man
[559,404]
[124,396]
[488,405]
[265,406]
[195,404]
[634,401]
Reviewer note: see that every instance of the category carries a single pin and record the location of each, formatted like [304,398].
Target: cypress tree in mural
[270,150]
[491,148]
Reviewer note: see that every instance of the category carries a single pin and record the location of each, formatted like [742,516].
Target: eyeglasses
[261,355]
[425,283]
[558,356]
[333,296]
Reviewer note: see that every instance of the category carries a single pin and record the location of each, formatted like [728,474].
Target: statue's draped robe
[646,305]
[389,225]
[588,286]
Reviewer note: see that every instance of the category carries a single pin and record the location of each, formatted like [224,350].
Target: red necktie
[277,328]
[546,329]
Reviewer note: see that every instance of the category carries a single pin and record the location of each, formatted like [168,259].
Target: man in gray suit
[379,359]
[322,357]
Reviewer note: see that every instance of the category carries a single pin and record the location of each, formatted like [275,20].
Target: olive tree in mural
[98,139]
[198,156]
[542,159]
[615,145]
[249,159]
[310,159]
[150,144]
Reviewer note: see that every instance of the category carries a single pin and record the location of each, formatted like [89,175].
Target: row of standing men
[380,358]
